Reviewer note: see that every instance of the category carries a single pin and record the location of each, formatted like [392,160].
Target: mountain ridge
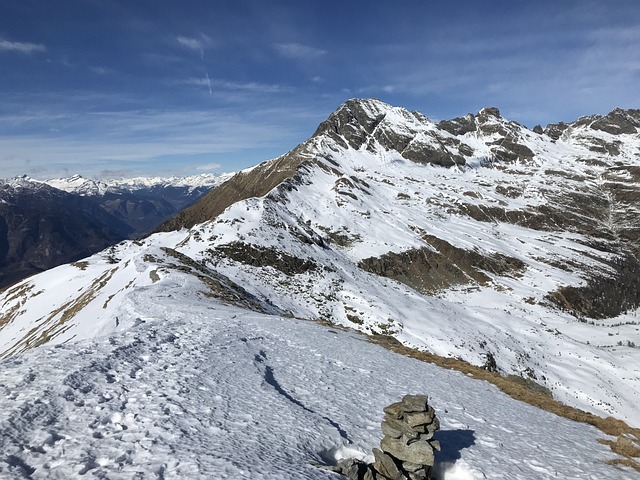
[503,256]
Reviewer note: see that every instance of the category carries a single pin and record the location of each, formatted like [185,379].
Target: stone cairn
[406,450]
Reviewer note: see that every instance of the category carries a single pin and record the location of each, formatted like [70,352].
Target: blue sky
[140,87]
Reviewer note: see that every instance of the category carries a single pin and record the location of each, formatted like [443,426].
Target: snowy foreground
[197,389]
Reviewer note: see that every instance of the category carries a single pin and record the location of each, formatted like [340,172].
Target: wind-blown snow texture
[196,389]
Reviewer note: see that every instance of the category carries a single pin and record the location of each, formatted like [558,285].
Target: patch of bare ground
[441,265]
[604,296]
[627,443]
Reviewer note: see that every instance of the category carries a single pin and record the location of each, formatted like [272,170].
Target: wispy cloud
[143,139]
[208,167]
[21,47]
[298,51]
[101,70]
[254,87]
[197,44]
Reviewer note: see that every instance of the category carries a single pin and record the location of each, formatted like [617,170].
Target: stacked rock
[406,450]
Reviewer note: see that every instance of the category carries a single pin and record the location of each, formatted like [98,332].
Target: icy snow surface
[200,390]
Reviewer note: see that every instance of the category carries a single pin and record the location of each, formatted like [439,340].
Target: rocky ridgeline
[406,450]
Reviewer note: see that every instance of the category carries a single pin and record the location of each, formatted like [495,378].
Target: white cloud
[209,166]
[137,139]
[21,47]
[101,70]
[197,44]
[254,87]
[299,51]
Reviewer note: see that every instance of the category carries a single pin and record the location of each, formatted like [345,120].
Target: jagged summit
[489,112]
[617,122]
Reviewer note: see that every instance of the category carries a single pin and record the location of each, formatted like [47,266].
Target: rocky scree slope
[474,238]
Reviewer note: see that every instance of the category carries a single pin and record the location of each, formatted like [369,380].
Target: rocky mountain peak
[618,121]
[488,112]
[356,120]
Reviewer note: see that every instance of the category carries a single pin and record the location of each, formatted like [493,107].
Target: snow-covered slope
[477,260]
[474,238]
[187,386]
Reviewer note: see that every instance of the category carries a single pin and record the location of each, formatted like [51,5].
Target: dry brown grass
[627,444]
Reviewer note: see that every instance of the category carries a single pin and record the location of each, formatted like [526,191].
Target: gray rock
[423,474]
[396,428]
[411,467]
[370,474]
[418,452]
[414,403]
[389,429]
[417,437]
[354,469]
[331,468]
[429,428]
[394,410]
[435,444]
[420,418]
[386,466]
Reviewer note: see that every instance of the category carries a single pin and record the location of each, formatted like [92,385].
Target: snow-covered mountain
[45,224]
[528,240]
[474,238]
[85,186]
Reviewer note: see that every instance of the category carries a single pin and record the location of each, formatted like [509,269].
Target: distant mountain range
[474,238]
[46,223]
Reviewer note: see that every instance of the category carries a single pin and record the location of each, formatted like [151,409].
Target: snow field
[201,390]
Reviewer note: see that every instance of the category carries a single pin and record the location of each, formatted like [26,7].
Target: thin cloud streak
[228,85]
[197,44]
[142,137]
[209,167]
[21,47]
[298,51]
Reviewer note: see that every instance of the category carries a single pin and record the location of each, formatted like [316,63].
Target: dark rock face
[440,266]
[616,122]
[266,257]
[459,126]
[426,154]
[362,123]
[555,130]
[605,295]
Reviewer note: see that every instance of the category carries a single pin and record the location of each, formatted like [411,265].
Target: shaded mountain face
[474,238]
[42,226]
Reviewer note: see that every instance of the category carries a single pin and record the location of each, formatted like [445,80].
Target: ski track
[200,390]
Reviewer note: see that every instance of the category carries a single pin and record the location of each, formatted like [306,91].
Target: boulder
[414,403]
[417,452]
